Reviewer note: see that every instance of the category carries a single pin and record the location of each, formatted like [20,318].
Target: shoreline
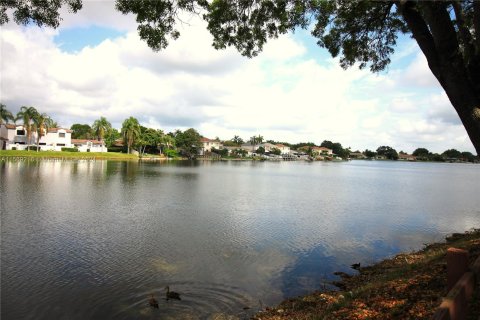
[406,286]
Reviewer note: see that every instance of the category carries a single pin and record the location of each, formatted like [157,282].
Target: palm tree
[166,141]
[27,114]
[5,115]
[130,131]
[41,123]
[100,127]
[259,139]
[237,140]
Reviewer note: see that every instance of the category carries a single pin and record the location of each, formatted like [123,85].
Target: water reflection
[225,235]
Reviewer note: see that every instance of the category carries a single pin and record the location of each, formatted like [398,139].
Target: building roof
[84,141]
[10,126]
[280,145]
[208,140]
[406,156]
[53,130]
[321,148]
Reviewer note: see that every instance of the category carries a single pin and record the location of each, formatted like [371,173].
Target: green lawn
[69,155]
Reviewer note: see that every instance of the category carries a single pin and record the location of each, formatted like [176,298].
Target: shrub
[69,149]
[171,153]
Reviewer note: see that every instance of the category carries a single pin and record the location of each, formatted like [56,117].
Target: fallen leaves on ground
[407,286]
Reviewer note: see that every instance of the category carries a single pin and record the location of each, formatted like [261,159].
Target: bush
[171,153]
[33,148]
[69,149]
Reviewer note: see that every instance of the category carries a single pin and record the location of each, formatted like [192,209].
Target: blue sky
[73,40]
[95,65]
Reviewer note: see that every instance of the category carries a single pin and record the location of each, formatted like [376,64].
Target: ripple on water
[199,301]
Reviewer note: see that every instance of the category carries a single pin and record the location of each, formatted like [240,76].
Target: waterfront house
[267,146]
[357,155]
[232,149]
[406,157]
[208,144]
[12,136]
[285,150]
[322,151]
[55,139]
[85,145]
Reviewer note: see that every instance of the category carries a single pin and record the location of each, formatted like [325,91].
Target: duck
[153,302]
[172,294]
[355,266]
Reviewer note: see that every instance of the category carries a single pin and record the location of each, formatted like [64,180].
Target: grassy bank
[407,286]
[21,154]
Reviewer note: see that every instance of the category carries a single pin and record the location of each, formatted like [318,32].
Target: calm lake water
[91,240]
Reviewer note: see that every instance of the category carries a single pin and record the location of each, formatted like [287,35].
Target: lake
[92,240]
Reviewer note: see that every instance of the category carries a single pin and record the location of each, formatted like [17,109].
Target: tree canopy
[358,32]
[388,152]
[188,142]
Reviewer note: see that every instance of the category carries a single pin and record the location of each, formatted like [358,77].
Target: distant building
[14,137]
[406,157]
[357,155]
[85,145]
[208,144]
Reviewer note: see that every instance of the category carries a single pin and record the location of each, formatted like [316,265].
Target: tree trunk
[435,34]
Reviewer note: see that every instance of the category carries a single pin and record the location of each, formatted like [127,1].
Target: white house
[232,149]
[13,136]
[322,151]
[208,144]
[85,145]
[283,148]
[55,139]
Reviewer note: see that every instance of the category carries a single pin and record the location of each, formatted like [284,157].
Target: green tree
[421,152]
[149,139]
[100,127]
[5,115]
[468,156]
[369,153]
[27,114]
[336,148]
[167,142]
[388,152]
[111,136]
[363,32]
[255,140]
[260,150]
[81,131]
[130,132]
[237,140]
[188,142]
[276,151]
[41,123]
[452,153]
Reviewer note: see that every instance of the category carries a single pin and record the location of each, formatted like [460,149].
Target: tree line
[187,143]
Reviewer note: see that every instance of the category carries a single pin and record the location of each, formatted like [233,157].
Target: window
[60,144]
[42,144]
[20,132]
[61,134]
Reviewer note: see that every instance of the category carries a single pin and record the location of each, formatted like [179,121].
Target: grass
[66,155]
[407,286]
